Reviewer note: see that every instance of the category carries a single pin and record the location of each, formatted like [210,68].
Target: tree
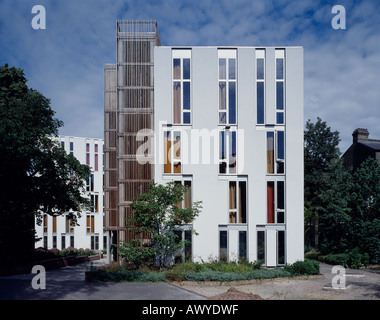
[156,216]
[36,174]
[365,209]
[321,147]
[333,210]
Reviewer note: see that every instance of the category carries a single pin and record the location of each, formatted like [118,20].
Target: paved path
[68,284]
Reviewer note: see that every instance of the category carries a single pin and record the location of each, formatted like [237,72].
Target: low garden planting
[199,272]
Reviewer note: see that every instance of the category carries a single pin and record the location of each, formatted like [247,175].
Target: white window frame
[173,159]
[260,54]
[275,151]
[280,54]
[182,54]
[226,160]
[227,54]
[277,210]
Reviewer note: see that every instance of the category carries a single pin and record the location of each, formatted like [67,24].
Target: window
[95,202]
[260,85]
[88,154]
[261,246]
[276,202]
[71,147]
[63,242]
[90,223]
[45,242]
[275,152]
[69,225]
[54,224]
[90,183]
[45,218]
[63,144]
[185,253]
[237,201]
[96,157]
[227,152]
[280,247]
[72,241]
[242,245]
[223,253]
[280,86]
[54,241]
[181,86]
[186,202]
[172,152]
[95,242]
[227,87]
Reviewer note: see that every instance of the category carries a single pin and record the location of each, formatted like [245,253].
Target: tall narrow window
[172,152]
[276,201]
[280,247]
[242,245]
[54,224]
[45,218]
[223,254]
[260,85]
[280,86]
[69,225]
[63,242]
[275,152]
[237,201]
[181,86]
[88,154]
[227,87]
[90,224]
[227,152]
[96,157]
[186,202]
[71,147]
[261,246]
[270,202]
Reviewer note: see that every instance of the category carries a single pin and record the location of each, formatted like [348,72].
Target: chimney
[360,134]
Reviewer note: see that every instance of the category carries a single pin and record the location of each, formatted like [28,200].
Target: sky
[65,61]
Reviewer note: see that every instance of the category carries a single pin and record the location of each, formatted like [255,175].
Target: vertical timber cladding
[110,134]
[135,112]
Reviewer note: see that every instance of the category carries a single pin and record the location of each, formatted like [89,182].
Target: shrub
[335,259]
[123,275]
[210,275]
[312,255]
[307,267]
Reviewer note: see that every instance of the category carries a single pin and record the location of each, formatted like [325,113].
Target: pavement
[69,283]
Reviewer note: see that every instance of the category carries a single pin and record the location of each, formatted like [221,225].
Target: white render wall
[82,239]
[208,185]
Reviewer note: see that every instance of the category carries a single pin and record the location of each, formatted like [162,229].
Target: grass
[210,271]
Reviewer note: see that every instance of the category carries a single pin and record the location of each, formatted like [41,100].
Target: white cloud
[65,61]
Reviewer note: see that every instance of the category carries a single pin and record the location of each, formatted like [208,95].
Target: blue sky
[65,61]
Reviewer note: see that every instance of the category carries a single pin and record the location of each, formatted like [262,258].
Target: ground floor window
[223,241]
[186,252]
[63,242]
[271,245]
[95,242]
[243,245]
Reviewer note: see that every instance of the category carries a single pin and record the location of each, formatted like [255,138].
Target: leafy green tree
[36,174]
[334,212]
[156,217]
[365,209]
[321,147]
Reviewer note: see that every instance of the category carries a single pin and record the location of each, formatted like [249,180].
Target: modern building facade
[59,231]
[228,124]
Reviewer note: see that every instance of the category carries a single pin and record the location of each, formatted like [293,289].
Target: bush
[210,275]
[307,267]
[312,255]
[123,275]
[335,259]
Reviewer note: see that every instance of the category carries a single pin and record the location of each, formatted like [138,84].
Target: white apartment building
[58,232]
[227,123]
